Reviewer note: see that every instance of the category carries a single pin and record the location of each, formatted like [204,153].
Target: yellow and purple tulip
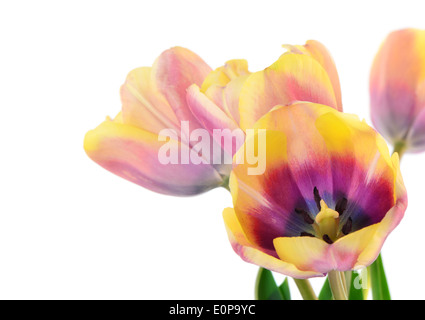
[330,195]
[153,99]
[303,73]
[397,90]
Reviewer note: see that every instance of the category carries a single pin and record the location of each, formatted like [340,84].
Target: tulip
[397,90]
[158,109]
[304,73]
[330,195]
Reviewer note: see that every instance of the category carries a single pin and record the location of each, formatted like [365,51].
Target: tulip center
[326,224]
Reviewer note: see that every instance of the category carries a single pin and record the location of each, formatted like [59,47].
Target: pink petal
[174,71]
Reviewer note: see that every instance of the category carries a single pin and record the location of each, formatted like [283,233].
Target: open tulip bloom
[329,198]
[328,193]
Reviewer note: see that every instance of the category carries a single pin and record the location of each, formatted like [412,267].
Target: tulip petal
[358,152]
[251,254]
[306,253]
[294,77]
[133,154]
[214,120]
[348,249]
[143,105]
[227,97]
[231,97]
[221,76]
[224,84]
[215,94]
[361,248]
[174,71]
[319,52]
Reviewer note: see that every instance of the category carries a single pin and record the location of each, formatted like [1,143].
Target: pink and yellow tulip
[157,98]
[330,196]
[397,90]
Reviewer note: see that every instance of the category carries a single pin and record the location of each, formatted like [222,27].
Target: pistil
[326,224]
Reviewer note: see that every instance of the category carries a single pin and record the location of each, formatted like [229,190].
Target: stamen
[327,239]
[341,205]
[305,215]
[346,229]
[306,234]
[317,198]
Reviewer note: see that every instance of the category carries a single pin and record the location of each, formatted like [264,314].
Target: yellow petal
[306,253]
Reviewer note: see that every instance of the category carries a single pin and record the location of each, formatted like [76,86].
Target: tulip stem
[400,148]
[225,184]
[338,285]
[306,290]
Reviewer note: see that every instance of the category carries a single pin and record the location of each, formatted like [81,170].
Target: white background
[71,230]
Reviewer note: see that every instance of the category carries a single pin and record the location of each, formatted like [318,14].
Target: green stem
[348,275]
[400,147]
[305,288]
[338,285]
[225,184]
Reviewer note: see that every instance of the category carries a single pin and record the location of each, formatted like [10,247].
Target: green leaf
[326,292]
[380,290]
[267,289]
[265,285]
[284,290]
[355,293]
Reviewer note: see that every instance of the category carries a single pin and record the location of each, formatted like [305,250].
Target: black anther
[305,215]
[346,229]
[317,198]
[306,234]
[327,239]
[341,205]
